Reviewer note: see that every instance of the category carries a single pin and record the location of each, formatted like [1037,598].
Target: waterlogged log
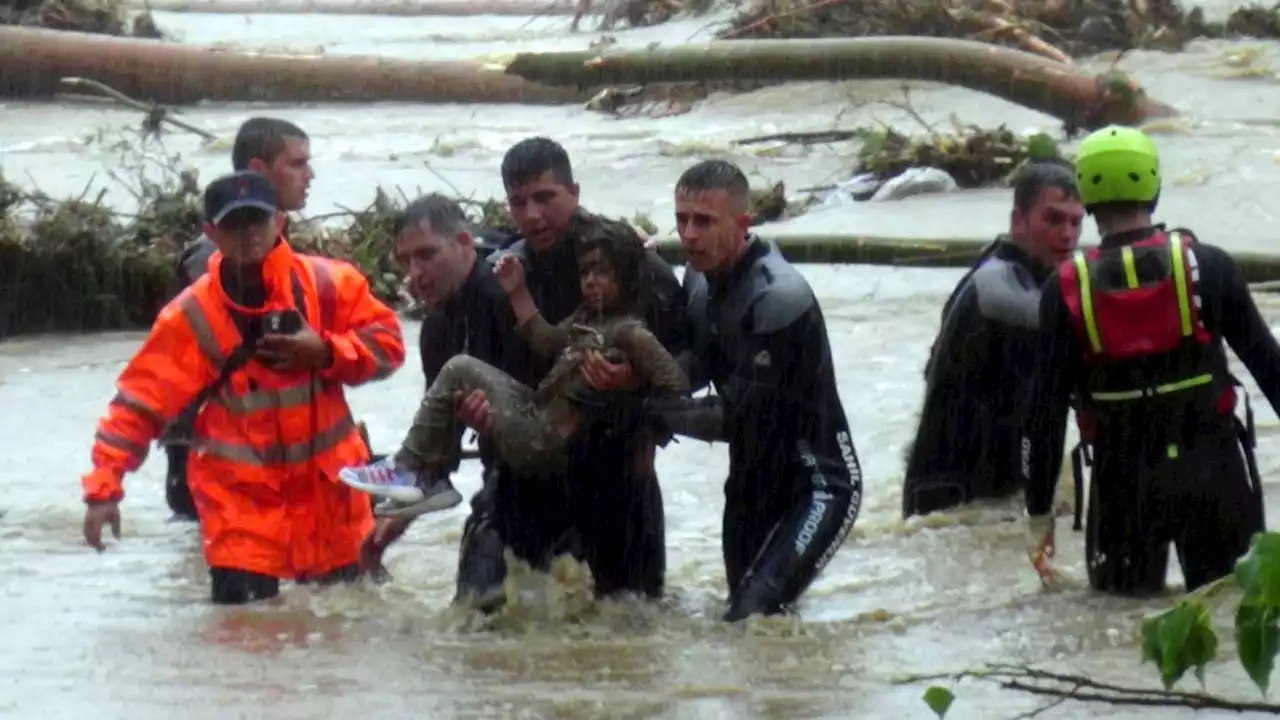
[1079,100]
[33,62]
[863,250]
[923,253]
[400,8]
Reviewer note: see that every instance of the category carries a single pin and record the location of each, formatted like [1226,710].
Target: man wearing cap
[281,152]
[261,346]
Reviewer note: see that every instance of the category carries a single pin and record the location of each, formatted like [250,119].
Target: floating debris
[1059,29]
[102,17]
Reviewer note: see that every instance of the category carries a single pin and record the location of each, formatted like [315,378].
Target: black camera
[285,322]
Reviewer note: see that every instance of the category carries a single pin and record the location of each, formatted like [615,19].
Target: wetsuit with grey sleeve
[795,485]
[978,375]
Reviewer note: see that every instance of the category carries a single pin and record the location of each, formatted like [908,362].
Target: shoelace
[382,475]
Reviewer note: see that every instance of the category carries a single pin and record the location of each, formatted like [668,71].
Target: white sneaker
[384,479]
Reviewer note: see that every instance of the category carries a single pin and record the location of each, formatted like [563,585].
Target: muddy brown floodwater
[128,634]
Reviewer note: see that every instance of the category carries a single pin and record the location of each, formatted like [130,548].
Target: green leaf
[939,700]
[1175,628]
[1202,643]
[1259,572]
[1151,639]
[1180,639]
[1257,641]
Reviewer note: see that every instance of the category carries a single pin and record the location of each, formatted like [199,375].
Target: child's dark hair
[623,249]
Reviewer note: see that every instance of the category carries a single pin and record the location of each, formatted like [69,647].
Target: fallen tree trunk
[1079,100]
[401,8]
[33,62]
[923,253]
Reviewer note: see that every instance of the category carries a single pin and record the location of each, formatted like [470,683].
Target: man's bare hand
[604,375]
[385,532]
[304,350]
[473,411]
[95,517]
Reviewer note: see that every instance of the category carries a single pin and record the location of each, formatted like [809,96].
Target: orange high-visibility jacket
[268,446]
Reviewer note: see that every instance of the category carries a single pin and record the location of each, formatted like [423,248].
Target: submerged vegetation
[78,264]
[103,17]
[1056,28]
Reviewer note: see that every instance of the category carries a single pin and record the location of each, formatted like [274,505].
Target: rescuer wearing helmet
[1134,329]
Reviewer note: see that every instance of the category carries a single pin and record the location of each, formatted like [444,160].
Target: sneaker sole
[434,503]
[407,494]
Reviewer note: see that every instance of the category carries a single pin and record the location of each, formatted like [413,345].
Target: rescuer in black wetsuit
[280,151]
[1136,328]
[758,336]
[979,371]
[616,527]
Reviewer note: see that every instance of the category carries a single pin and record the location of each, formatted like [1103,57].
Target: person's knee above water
[279,151]
[1135,328]
[967,443]
[794,485]
[262,346]
[534,428]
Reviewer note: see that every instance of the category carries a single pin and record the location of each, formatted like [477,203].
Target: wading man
[279,151]
[616,527]
[979,372]
[758,336]
[1135,328]
[261,346]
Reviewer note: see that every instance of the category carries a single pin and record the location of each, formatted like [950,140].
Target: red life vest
[1137,314]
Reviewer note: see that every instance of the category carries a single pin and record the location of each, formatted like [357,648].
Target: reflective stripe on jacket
[267,447]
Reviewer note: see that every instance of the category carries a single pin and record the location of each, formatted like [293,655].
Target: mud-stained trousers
[605,510]
[1207,502]
[522,433]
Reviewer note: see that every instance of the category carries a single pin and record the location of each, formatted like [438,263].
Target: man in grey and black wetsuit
[979,371]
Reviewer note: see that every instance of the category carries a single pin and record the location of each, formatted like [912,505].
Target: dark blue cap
[243,189]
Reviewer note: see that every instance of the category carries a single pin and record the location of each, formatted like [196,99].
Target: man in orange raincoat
[264,344]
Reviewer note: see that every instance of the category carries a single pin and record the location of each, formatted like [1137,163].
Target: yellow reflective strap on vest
[1086,300]
[1130,270]
[1180,282]
[1165,389]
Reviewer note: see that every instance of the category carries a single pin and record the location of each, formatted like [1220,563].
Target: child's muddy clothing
[531,428]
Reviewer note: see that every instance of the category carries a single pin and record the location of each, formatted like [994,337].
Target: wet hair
[623,249]
[531,157]
[1042,174]
[262,138]
[716,175]
[442,214]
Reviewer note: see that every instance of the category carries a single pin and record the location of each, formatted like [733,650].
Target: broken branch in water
[1064,686]
[817,137]
[1033,81]
[157,115]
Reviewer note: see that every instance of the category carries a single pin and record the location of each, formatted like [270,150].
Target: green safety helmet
[1117,164]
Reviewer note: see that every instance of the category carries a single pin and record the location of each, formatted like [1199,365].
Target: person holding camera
[262,345]
[280,151]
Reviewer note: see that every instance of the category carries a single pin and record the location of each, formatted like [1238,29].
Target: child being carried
[532,429]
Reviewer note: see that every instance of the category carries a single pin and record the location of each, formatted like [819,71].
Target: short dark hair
[624,250]
[442,214]
[1041,174]
[716,175]
[531,157]
[262,138]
